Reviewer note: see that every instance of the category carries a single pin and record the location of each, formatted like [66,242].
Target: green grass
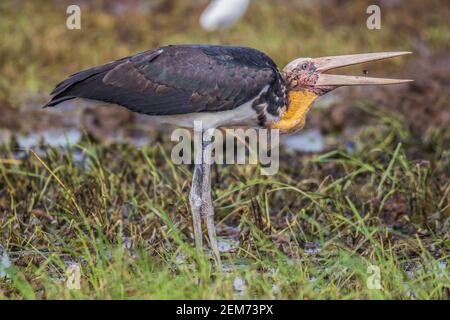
[309,232]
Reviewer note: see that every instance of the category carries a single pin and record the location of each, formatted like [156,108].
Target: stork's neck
[293,118]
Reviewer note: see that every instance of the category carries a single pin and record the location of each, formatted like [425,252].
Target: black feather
[175,80]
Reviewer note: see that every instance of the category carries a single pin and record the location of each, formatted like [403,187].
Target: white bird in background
[222,14]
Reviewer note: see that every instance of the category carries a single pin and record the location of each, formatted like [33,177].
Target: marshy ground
[95,187]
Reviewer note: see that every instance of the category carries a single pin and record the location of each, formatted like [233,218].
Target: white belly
[243,115]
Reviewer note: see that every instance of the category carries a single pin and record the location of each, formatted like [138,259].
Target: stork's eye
[304,66]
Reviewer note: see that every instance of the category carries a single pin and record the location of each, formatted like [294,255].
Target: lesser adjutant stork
[220,86]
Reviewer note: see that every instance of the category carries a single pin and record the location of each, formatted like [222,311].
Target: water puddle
[5,263]
[228,240]
[50,137]
[69,137]
[311,248]
[306,141]
[239,287]
[227,244]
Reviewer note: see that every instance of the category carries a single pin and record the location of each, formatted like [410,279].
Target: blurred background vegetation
[37,50]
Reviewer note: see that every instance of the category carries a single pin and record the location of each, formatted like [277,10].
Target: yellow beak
[329,63]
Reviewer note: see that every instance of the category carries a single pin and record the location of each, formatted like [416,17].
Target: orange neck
[294,117]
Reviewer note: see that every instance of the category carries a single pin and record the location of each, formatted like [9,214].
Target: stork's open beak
[328,63]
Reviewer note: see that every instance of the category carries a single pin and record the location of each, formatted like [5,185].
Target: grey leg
[207,203]
[195,201]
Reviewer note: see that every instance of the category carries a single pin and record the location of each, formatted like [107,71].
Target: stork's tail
[55,101]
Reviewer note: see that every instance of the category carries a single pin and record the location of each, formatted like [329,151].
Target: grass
[313,231]
[309,232]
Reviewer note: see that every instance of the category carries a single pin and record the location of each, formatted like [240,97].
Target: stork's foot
[200,200]
[202,206]
[205,210]
[195,202]
[208,215]
[213,240]
[207,203]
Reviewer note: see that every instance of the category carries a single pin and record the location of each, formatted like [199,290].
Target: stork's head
[306,80]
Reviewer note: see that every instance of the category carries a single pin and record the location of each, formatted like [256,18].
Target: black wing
[175,80]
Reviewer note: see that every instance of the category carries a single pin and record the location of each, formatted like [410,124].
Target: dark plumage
[179,79]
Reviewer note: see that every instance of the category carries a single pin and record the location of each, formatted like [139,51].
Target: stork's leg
[195,201]
[207,203]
